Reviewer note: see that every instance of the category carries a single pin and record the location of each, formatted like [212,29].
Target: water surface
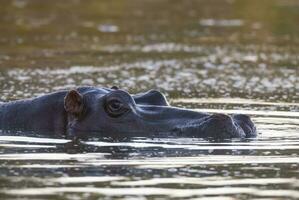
[214,56]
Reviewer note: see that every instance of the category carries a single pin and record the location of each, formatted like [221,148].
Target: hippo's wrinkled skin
[115,113]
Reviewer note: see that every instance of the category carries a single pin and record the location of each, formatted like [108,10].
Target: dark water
[209,55]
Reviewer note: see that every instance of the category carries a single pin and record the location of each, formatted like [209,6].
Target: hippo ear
[73,102]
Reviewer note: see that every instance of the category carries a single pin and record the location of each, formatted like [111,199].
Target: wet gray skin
[115,113]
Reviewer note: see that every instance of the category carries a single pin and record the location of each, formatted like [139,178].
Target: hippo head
[115,113]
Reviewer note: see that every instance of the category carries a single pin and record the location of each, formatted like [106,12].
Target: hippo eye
[115,108]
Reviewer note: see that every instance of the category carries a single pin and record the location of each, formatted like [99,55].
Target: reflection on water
[157,167]
[213,56]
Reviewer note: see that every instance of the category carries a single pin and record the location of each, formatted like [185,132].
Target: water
[215,56]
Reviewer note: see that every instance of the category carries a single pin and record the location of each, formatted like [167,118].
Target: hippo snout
[221,126]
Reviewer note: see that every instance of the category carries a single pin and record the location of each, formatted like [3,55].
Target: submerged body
[110,112]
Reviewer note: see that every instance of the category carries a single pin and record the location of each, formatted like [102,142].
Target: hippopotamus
[112,112]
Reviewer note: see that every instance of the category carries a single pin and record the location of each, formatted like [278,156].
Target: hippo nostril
[221,126]
[221,116]
[221,121]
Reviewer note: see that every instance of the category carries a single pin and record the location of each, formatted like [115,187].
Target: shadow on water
[212,56]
